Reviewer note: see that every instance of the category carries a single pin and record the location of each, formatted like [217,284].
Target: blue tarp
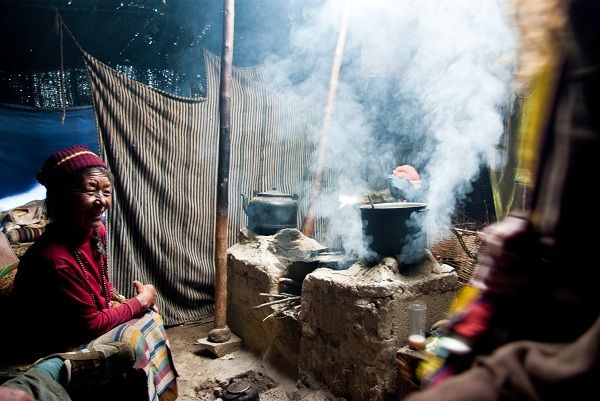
[28,136]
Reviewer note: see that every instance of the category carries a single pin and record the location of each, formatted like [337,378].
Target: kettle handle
[244,203]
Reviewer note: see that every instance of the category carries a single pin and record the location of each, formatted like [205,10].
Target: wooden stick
[264,294]
[221,333]
[278,301]
[280,311]
[309,223]
[268,316]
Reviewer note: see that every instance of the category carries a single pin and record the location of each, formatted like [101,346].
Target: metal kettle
[271,211]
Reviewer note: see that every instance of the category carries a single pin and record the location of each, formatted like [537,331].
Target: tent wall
[28,136]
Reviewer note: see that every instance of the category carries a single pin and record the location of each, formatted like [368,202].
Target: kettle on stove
[271,211]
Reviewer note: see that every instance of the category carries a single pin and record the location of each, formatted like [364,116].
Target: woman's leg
[148,338]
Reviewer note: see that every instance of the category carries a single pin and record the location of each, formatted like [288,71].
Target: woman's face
[91,196]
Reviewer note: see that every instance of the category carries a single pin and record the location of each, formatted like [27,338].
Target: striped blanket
[148,338]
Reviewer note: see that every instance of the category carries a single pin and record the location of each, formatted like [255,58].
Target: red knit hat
[69,161]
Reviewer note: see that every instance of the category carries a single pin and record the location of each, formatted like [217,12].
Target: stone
[221,349]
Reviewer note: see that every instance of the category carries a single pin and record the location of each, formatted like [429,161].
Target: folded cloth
[25,215]
[23,234]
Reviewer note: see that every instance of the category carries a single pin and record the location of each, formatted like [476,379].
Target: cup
[417,324]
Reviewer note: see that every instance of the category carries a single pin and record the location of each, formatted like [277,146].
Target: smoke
[421,83]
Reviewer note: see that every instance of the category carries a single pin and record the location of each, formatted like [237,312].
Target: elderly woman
[62,292]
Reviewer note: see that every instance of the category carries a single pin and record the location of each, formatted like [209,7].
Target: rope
[60,21]
[462,244]
[63,98]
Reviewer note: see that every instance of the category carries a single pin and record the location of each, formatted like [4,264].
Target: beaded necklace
[103,277]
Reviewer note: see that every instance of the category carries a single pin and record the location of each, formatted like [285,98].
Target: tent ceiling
[154,34]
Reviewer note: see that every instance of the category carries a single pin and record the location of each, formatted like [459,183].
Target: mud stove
[347,326]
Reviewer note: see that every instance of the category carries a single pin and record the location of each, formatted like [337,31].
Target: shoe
[95,365]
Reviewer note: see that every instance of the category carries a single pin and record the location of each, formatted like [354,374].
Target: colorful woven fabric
[24,234]
[148,338]
[7,277]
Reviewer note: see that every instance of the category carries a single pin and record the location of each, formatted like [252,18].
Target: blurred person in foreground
[51,378]
[62,298]
[529,327]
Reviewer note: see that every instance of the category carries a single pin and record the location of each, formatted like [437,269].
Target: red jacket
[55,309]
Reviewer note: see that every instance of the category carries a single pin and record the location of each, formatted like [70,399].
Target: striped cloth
[163,150]
[24,234]
[148,338]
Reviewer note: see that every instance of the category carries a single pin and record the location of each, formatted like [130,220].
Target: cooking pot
[271,211]
[391,226]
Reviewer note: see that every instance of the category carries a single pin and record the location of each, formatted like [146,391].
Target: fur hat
[67,162]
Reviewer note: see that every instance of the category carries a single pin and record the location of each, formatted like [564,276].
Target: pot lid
[273,193]
[238,387]
[395,205]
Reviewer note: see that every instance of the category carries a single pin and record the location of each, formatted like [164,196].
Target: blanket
[148,338]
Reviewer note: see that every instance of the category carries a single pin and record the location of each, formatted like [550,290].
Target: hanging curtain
[163,151]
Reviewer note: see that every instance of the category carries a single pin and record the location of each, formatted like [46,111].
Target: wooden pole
[221,333]
[309,223]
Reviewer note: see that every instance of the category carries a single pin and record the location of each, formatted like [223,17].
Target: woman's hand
[146,294]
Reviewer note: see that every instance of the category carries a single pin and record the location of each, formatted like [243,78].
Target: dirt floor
[203,376]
